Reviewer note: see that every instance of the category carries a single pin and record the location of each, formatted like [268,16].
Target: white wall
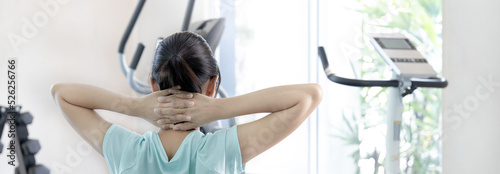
[78,42]
[471,131]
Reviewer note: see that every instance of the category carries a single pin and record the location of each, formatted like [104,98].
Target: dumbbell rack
[25,149]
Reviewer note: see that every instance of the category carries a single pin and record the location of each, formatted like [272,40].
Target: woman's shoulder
[220,151]
[218,140]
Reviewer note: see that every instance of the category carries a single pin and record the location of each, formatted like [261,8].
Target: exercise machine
[410,71]
[211,30]
[20,148]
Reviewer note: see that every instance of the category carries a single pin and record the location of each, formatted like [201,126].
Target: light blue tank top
[128,152]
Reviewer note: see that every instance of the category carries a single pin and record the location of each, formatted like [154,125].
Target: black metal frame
[415,82]
[211,30]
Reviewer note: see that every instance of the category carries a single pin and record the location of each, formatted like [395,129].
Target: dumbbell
[30,147]
[38,169]
[24,118]
[22,132]
[29,160]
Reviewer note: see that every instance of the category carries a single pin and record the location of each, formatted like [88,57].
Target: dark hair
[184,59]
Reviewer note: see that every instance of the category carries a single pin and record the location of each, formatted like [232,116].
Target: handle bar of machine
[415,82]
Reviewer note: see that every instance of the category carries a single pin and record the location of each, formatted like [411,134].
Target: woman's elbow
[316,93]
[54,89]
[312,96]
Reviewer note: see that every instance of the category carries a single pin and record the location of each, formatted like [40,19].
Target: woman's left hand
[176,109]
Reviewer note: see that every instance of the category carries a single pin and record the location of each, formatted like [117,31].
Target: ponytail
[184,59]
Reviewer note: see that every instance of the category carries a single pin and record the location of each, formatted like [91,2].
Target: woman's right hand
[203,111]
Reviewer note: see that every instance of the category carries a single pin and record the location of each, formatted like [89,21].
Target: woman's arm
[289,107]
[78,102]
